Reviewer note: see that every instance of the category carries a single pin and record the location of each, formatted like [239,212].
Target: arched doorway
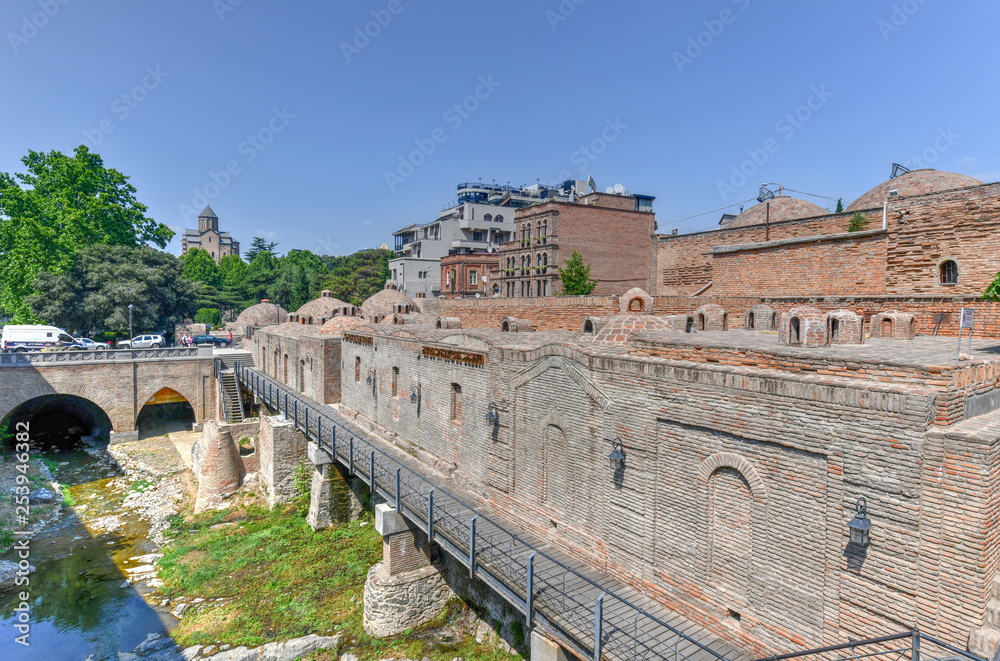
[57,421]
[166,411]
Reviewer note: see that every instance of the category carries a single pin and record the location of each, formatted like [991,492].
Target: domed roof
[782,208]
[917,182]
[384,304]
[264,313]
[338,325]
[635,314]
[324,306]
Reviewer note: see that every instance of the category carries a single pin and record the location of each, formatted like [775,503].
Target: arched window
[488,218]
[949,272]
[794,331]
[701,322]
[395,379]
[834,330]
[357,368]
[456,402]
[499,219]
[750,321]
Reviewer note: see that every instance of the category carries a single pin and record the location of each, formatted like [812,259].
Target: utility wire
[704,213]
[825,197]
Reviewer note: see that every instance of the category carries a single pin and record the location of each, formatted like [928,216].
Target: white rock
[8,574]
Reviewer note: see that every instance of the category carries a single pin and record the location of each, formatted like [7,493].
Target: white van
[35,338]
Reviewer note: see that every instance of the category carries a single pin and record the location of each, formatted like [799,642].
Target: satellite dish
[609,190]
[619,189]
[764,195]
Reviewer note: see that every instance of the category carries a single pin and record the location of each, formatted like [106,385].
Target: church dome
[782,208]
[917,182]
[264,313]
[386,303]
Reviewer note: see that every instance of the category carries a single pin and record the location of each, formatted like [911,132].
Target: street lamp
[617,456]
[371,377]
[130,333]
[492,415]
[860,526]
[413,395]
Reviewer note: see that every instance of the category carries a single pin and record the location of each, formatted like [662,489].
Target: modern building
[465,275]
[612,231]
[480,221]
[209,238]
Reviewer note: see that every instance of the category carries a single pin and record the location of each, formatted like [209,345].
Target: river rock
[8,574]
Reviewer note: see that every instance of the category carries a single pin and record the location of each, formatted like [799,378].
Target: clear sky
[321,125]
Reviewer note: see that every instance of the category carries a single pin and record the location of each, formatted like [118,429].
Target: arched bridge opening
[57,422]
[166,411]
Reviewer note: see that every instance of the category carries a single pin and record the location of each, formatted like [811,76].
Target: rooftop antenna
[898,170]
[619,189]
[609,190]
[764,194]
[592,184]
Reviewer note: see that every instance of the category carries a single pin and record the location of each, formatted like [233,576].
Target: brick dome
[635,315]
[782,208]
[264,313]
[324,306]
[338,325]
[918,182]
[387,303]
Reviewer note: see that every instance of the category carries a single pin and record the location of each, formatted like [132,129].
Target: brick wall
[313,360]
[462,266]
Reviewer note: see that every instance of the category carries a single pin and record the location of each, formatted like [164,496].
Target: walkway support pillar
[331,498]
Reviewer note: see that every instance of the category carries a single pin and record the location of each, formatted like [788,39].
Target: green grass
[68,499]
[283,580]
[142,486]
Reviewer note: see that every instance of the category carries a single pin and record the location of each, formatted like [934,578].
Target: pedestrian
[230,337]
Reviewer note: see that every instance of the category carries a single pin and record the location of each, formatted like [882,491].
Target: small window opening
[395,381]
[588,326]
[456,402]
[733,614]
[636,305]
[689,326]
[793,331]
[834,330]
[887,328]
[357,368]
[949,273]
[750,321]
[701,322]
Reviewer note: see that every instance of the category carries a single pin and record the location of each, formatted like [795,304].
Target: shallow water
[79,608]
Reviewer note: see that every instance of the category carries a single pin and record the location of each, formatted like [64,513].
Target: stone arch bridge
[118,382]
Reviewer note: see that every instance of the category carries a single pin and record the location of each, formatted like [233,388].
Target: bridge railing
[20,359]
[582,614]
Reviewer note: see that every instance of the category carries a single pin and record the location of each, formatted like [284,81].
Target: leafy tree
[94,293]
[199,266]
[259,245]
[857,222]
[575,276]
[233,297]
[60,205]
[258,277]
[840,205]
[353,278]
[210,316]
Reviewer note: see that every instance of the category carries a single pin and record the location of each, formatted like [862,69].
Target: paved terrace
[587,611]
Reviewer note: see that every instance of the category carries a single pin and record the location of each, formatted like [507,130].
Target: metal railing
[913,644]
[19,359]
[592,620]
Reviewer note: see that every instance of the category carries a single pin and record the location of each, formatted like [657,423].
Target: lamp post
[130,333]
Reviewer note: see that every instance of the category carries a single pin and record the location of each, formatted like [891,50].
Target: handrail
[22,358]
[914,635]
[486,554]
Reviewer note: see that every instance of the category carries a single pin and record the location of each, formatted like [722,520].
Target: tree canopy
[59,206]
[575,276]
[94,293]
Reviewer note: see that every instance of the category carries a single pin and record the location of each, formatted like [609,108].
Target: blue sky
[333,138]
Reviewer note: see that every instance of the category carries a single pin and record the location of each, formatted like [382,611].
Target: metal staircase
[232,402]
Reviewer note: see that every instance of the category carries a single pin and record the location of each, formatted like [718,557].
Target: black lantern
[617,456]
[413,395]
[861,526]
[492,415]
[370,377]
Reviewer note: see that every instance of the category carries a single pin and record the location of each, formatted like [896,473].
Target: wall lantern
[371,377]
[860,526]
[413,395]
[617,456]
[492,415]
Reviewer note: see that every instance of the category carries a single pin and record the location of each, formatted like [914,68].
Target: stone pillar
[543,649]
[404,590]
[331,498]
[216,466]
[282,451]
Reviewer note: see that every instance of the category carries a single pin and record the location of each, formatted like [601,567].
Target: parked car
[143,342]
[90,344]
[211,339]
[21,338]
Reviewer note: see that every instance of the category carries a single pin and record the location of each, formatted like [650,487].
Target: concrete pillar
[282,451]
[404,590]
[543,649]
[331,496]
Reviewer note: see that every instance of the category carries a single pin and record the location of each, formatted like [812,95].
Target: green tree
[210,316]
[840,205]
[353,278]
[575,276]
[234,295]
[259,245]
[60,205]
[199,266]
[857,222]
[94,293]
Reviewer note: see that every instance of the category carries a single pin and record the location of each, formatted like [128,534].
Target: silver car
[143,342]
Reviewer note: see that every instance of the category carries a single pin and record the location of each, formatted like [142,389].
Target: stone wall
[301,358]
[282,449]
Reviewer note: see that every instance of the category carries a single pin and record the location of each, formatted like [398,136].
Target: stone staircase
[985,642]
